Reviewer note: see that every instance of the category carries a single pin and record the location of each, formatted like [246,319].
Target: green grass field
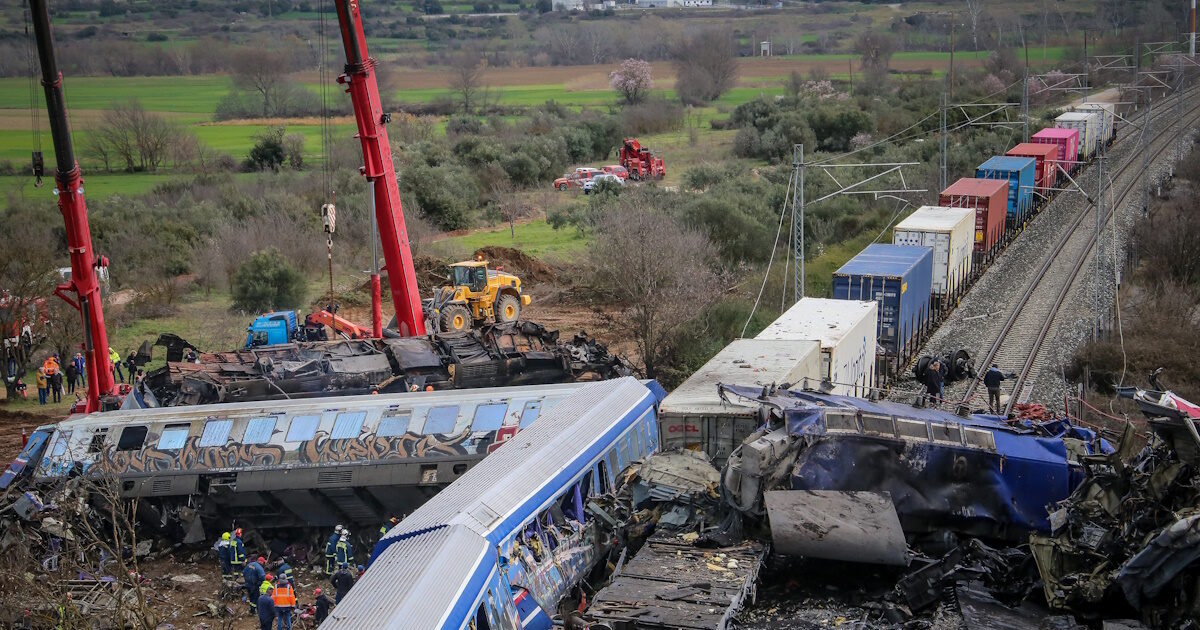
[536,238]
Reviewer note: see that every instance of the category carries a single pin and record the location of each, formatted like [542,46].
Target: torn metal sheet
[672,584]
[849,526]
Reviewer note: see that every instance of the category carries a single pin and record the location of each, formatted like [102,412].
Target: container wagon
[1088,124]
[1045,171]
[989,199]
[1108,120]
[897,277]
[1067,141]
[695,415]
[950,233]
[847,332]
[1019,173]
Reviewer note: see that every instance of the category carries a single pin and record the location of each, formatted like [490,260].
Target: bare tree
[28,257]
[466,77]
[633,79]
[260,71]
[975,10]
[876,49]
[706,66]
[129,134]
[657,268]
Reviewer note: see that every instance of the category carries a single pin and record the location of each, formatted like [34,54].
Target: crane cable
[38,164]
[328,210]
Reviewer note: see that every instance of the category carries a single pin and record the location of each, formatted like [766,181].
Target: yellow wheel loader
[476,294]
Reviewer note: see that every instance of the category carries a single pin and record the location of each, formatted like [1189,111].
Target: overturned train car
[976,475]
[521,353]
[310,463]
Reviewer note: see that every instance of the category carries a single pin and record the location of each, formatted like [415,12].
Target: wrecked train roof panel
[744,362]
[512,483]
[415,585]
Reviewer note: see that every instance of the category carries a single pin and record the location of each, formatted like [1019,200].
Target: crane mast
[359,79]
[84,283]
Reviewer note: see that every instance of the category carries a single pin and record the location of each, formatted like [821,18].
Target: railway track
[1031,316]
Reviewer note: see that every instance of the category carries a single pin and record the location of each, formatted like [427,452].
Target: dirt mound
[517,262]
[12,422]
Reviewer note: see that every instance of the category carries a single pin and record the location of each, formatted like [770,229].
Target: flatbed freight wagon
[898,278]
[989,199]
[846,330]
[695,415]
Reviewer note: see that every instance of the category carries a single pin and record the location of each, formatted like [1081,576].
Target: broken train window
[303,428]
[98,438]
[216,432]
[489,417]
[530,413]
[132,439]
[394,424]
[60,444]
[348,425]
[173,437]
[441,419]
[259,430]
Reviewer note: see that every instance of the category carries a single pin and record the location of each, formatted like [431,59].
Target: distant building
[673,3]
[764,49]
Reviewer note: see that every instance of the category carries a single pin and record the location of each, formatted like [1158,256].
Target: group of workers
[935,385]
[273,596]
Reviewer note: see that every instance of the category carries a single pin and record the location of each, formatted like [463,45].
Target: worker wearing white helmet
[331,548]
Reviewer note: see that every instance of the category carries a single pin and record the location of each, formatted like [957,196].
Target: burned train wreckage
[520,353]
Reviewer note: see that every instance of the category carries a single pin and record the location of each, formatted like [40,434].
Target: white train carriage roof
[574,432]
[420,583]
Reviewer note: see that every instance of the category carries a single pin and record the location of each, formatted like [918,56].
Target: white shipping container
[848,332]
[950,232]
[694,416]
[1088,124]
[1108,118]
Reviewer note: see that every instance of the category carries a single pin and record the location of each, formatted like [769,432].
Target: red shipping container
[1067,141]
[989,198]
[1046,172]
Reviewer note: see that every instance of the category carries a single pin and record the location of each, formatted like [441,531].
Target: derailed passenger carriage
[499,547]
[310,463]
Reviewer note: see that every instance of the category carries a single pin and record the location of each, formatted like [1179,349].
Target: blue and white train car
[499,547]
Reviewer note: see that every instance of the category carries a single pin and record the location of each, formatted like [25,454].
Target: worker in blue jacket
[343,553]
[285,570]
[225,555]
[254,575]
[266,610]
[331,549]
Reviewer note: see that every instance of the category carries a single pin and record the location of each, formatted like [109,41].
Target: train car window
[635,442]
[303,428]
[531,412]
[132,439]
[98,438]
[441,419]
[259,430]
[614,463]
[216,433]
[394,425]
[348,425]
[173,437]
[605,482]
[489,417]
[60,445]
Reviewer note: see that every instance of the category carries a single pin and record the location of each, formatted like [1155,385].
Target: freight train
[889,297]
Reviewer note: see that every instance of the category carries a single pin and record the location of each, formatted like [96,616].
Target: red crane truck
[640,162]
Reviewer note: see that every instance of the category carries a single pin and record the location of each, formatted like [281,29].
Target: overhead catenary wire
[34,107]
[774,247]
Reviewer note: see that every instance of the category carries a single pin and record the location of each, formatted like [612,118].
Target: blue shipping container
[1021,173]
[899,278]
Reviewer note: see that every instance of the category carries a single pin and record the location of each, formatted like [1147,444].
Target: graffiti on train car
[320,450]
[191,457]
[324,450]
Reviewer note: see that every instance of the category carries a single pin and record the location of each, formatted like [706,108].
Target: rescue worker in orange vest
[285,602]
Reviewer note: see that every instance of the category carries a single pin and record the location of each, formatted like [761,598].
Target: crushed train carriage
[306,463]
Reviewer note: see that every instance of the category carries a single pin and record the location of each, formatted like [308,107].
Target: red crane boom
[84,282]
[360,82]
